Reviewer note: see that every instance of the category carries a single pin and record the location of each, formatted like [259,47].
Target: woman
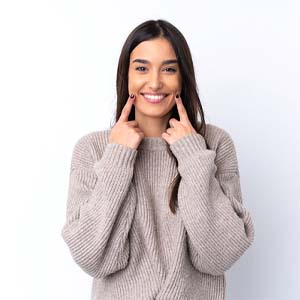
[154,207]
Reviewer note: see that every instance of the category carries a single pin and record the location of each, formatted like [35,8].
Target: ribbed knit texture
[119,227]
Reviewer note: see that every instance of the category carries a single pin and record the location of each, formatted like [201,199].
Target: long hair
[189,93]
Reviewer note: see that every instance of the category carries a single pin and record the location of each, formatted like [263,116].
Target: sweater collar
[153,143]
[149,143]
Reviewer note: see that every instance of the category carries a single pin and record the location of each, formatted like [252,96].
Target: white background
[58,62]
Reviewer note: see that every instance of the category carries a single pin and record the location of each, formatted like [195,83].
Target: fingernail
[131,95]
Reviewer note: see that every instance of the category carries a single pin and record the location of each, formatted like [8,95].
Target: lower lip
[153,101]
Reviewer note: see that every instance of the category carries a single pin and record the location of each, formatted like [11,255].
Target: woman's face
[153,75]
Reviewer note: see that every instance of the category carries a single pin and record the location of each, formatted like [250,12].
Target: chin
[152,112]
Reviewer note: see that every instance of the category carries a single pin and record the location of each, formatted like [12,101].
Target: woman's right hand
[126,132]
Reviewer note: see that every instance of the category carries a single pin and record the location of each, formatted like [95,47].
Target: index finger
[181,110]
[126,110]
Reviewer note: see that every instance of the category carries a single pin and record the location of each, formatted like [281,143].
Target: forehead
[154,50]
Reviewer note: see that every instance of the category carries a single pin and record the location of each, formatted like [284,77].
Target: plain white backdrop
[58,63]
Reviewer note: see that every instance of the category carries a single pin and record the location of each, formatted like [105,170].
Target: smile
[154,98]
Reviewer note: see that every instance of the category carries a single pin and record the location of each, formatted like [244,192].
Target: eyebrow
[165,62]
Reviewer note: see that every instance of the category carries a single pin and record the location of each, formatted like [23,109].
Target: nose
[155,81]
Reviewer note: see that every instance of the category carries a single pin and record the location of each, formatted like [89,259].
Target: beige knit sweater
[119,228]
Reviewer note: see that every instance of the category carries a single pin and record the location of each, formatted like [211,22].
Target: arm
[219,229]
[100,208]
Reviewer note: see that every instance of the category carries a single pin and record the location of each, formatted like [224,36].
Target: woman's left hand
[180,128]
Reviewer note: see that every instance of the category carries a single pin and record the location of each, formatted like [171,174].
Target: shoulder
[216,135]
[93,140]
[89,147]
[220,140]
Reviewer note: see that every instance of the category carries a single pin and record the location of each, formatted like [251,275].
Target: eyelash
[173,70]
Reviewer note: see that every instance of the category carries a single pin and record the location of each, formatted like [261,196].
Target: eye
[172,70]
[138,68]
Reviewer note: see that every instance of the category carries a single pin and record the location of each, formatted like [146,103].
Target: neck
[152,126]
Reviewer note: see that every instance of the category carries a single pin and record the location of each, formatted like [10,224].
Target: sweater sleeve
[100,208]
[219,229]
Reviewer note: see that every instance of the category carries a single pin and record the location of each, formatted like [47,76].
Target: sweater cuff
[188,146]
[117,155]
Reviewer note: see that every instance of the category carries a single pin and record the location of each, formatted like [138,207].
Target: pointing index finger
[126,109]
[181,110]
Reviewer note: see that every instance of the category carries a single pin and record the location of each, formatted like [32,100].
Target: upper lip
[155,94]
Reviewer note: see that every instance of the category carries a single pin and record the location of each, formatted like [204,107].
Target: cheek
[135,83]
[174,83]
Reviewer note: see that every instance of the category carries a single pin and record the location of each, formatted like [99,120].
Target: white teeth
[151,97]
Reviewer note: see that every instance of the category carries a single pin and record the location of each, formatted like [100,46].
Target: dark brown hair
[149,30]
